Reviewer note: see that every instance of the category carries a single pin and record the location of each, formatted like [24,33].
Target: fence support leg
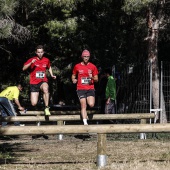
[101,150]
[60,136]
[143,135]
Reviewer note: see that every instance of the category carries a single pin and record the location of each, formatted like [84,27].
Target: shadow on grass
[9,149]
[83,137]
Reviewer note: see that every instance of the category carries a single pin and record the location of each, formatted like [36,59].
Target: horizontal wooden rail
[57,112]
[77,117]
[82,129]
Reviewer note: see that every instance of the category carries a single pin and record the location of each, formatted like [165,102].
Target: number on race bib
[85,80]
[40,74]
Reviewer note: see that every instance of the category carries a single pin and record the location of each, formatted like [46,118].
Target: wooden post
[143,135]
[101,150]
[60,123]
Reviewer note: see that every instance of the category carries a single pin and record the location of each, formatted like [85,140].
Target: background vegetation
[116,33]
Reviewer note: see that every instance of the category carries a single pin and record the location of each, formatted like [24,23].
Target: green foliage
[62,3]
[61,28]
[136,5]
[5,29]
[113,31]
[7,7]
[6,155]
[9,29]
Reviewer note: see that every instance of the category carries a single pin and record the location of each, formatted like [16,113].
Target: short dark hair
[39,47]
[20,83]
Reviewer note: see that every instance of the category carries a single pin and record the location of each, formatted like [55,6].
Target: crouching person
[7,96]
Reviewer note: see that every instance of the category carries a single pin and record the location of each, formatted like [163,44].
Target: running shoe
[47,111]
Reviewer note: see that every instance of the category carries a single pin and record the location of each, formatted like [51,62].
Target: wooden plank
[66,112]
[77,117]
[81,129]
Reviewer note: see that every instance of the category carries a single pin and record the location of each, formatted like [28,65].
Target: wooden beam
[57,112]
[67,112]
[81,129]
[77,117]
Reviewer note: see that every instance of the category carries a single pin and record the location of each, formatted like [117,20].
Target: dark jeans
[110,108]
[7,109]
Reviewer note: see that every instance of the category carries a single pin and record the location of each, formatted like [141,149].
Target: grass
[124,151]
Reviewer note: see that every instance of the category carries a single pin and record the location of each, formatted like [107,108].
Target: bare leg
[34,98]
[90,101]
[44,87]
[83,110]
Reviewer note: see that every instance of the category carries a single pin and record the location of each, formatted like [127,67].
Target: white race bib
[85,80]
[40,74]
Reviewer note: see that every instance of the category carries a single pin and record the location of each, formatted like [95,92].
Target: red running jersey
[82,72]
[38,69]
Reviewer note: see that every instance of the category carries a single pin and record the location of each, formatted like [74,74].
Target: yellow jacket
[10,93]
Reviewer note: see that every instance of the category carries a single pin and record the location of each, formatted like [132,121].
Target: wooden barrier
[77,117]
[73,129]
[101,131]
[66,112]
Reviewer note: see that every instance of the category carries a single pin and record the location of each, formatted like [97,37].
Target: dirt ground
[77,152]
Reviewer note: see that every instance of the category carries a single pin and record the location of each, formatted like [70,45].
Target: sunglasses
[86,56]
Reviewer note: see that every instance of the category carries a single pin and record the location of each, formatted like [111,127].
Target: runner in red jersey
[85,74]
[38,79]
[38,69]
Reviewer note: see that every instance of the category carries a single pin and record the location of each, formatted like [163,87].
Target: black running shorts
[85,93]
[36,87]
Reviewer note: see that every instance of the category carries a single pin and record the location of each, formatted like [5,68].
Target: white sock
[85,121]
[38,123]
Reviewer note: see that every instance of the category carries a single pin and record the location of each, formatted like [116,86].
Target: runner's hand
[90,75]
[33,61]
[54,77]
[74,81]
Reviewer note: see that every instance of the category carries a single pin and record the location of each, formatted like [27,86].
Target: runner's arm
[73,78]
[51,73]
[28,65]
[95,78]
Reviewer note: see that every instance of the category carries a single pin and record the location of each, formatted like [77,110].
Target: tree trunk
[153,33]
